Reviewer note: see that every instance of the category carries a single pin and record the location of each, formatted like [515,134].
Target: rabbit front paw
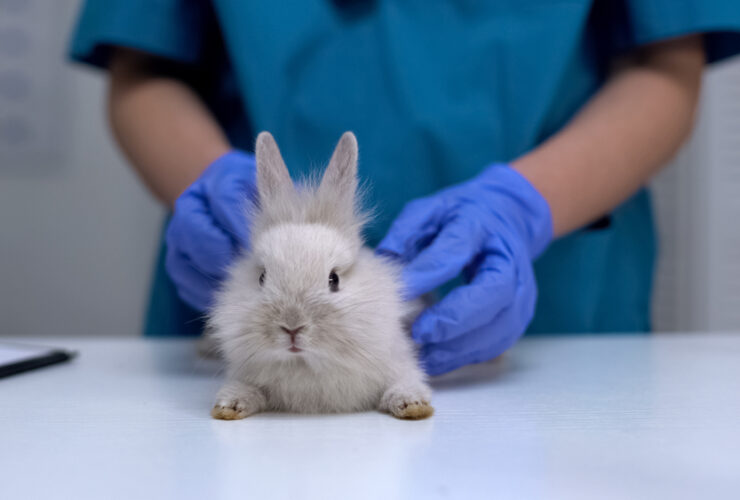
[408,403]
[232,409]
[236,401]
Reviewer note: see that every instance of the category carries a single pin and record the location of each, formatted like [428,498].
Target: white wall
[697,201]
[77,231]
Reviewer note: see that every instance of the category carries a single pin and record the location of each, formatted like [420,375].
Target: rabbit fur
[309,320]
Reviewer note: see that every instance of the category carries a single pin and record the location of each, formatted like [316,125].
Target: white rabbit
[310,320]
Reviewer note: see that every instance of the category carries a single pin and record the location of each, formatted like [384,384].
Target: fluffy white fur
[354,352]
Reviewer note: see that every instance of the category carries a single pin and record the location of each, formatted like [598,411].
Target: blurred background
[78,233]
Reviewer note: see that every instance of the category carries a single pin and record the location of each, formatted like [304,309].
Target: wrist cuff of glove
[233,156]
[530,212]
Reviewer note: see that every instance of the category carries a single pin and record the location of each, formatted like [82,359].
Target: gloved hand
[208,227]
[490,229]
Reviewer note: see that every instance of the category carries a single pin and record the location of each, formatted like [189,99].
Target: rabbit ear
[340,179]
[273,179]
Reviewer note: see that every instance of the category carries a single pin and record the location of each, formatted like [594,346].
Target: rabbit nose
[292,331]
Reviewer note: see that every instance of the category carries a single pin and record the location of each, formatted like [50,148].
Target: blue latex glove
[489,229]
[208,227]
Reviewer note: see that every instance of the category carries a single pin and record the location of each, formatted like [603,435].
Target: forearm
[161,125]
[631,128]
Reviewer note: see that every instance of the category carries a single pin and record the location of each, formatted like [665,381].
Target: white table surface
[569,417]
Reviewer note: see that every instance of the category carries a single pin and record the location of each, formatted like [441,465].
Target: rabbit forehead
[304,247]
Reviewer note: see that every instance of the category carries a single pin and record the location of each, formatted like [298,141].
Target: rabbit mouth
[293,346]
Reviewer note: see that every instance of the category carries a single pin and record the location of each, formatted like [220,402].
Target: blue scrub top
[434,91]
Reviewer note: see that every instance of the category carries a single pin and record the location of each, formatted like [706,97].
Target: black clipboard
[18,358]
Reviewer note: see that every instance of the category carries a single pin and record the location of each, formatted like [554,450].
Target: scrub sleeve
[641,22]
[171,29]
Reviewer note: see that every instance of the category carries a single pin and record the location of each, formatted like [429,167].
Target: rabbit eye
[333,282]
[262,278]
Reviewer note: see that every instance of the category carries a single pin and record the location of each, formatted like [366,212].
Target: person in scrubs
[507,144]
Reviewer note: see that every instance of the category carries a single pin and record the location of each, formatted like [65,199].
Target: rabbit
[309,320]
